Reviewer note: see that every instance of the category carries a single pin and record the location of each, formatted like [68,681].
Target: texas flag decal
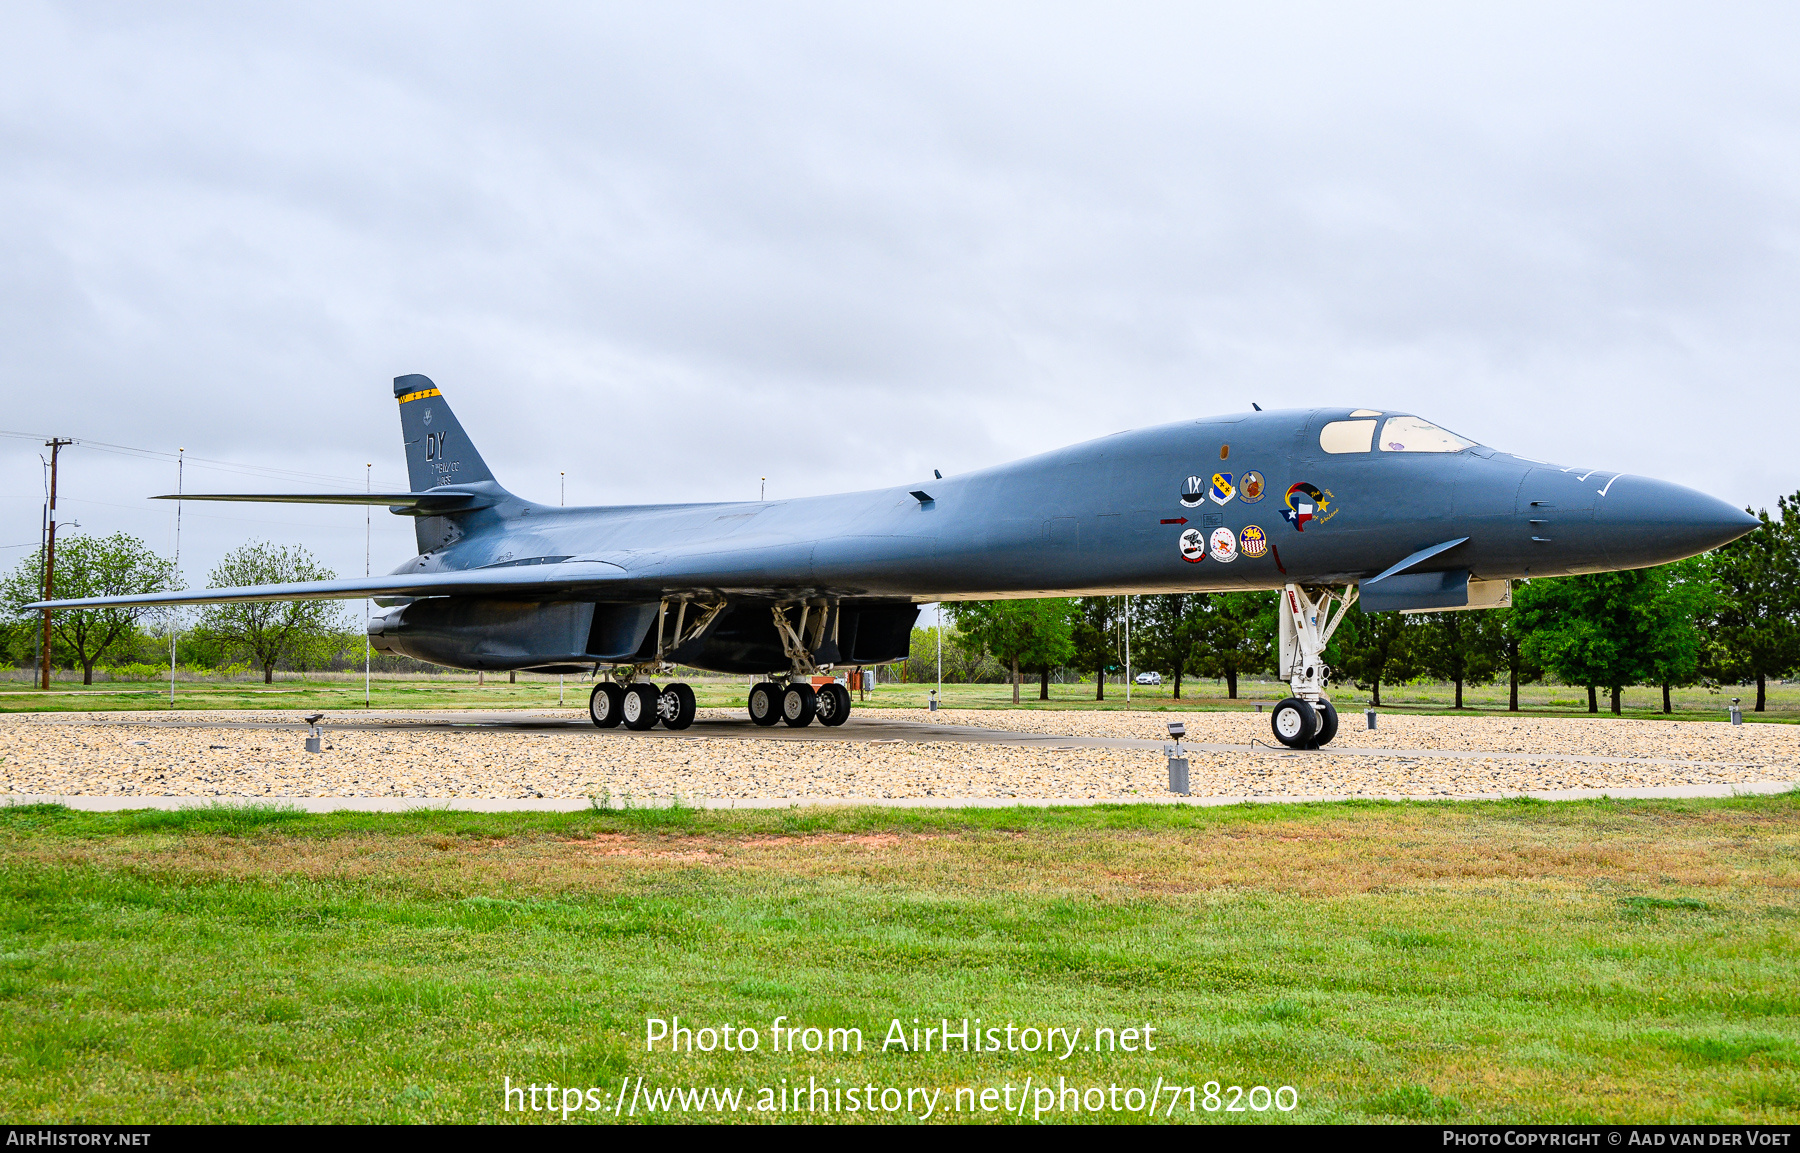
[1307,502]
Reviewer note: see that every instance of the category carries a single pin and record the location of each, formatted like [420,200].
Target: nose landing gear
[1307,719]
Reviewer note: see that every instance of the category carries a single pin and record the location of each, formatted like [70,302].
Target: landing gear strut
[790,697]
[1307,719]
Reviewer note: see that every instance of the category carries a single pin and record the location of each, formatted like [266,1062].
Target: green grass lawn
[1467,962]
[462,690]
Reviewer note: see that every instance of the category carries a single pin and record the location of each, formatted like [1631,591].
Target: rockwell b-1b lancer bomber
[1328,506]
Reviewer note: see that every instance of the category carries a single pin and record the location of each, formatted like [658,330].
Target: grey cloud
[670,249]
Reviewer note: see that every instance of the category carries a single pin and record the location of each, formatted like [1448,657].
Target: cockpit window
[1347,435]
[1410,434]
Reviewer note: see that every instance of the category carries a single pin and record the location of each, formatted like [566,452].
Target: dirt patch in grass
[1348,853]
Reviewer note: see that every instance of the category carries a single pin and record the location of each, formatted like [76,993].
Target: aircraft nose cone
[1644,522]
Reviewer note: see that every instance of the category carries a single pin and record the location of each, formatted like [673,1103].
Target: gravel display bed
[132,754]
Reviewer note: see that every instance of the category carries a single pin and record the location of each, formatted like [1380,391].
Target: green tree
[1613,629]
[1519,666]
[270,630]
[1374,647]
[1166,632]
[1019,632]
[1685,595]
[1096,638]
[1754,633]
[1235,635]
[92,566]
[1458,647]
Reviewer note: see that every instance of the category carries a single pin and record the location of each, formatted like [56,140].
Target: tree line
[261,635]
[1729,617]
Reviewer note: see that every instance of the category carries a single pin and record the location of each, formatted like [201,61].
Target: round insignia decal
[1193,546]
[1251,487]
[1193,492]
[1253,541]
[1224,545]
[1222,490]
[1307,502]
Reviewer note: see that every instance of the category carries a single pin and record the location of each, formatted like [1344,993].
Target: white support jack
[1307,720]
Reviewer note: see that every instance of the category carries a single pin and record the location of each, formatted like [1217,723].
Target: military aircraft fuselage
[1220,504]
[1414,516]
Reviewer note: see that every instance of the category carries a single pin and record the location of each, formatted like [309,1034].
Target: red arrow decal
[1177,520]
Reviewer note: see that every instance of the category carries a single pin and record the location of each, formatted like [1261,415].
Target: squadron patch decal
[1251,487]
[1307,502]
[1253,541]
[1193,546]
[1224,545]
[1193,492]
[1222,489]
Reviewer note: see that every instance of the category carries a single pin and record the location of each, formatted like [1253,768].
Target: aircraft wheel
[832,705]
[765,703]
[1328,725]
[1294,722]
[603,704]
[798,705]
[639,706]
[675,706]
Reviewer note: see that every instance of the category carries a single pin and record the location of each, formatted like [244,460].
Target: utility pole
[940,654]
[55,445]
[180,469]
[562,498]
[368,602]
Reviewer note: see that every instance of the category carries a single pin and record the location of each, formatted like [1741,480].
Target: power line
[205,462]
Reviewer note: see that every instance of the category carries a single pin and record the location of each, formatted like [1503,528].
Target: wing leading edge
[536,580]
[448,500]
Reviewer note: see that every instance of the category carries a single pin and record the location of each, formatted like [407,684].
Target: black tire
[765,703]
[1328,724]
[638,709]
[1298,720]
[603,704]
[832,707]
[798,705]
[675,706]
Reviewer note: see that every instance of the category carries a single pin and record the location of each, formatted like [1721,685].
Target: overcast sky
[671,249]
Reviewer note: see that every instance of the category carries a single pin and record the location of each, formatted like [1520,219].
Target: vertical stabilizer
[438,451]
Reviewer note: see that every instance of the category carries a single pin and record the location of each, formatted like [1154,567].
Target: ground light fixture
[1178,765]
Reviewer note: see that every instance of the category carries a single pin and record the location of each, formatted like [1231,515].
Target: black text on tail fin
[438,454]
[438,451]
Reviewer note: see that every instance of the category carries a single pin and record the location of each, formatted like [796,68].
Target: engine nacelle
[476,633]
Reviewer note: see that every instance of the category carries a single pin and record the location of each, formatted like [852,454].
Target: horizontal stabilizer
[540,581]
[445,499]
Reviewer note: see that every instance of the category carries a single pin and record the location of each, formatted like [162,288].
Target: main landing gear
[641,705]
[1307,719]
[790,697]
[797,704]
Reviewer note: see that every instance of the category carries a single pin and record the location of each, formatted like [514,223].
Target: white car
[1149,678]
